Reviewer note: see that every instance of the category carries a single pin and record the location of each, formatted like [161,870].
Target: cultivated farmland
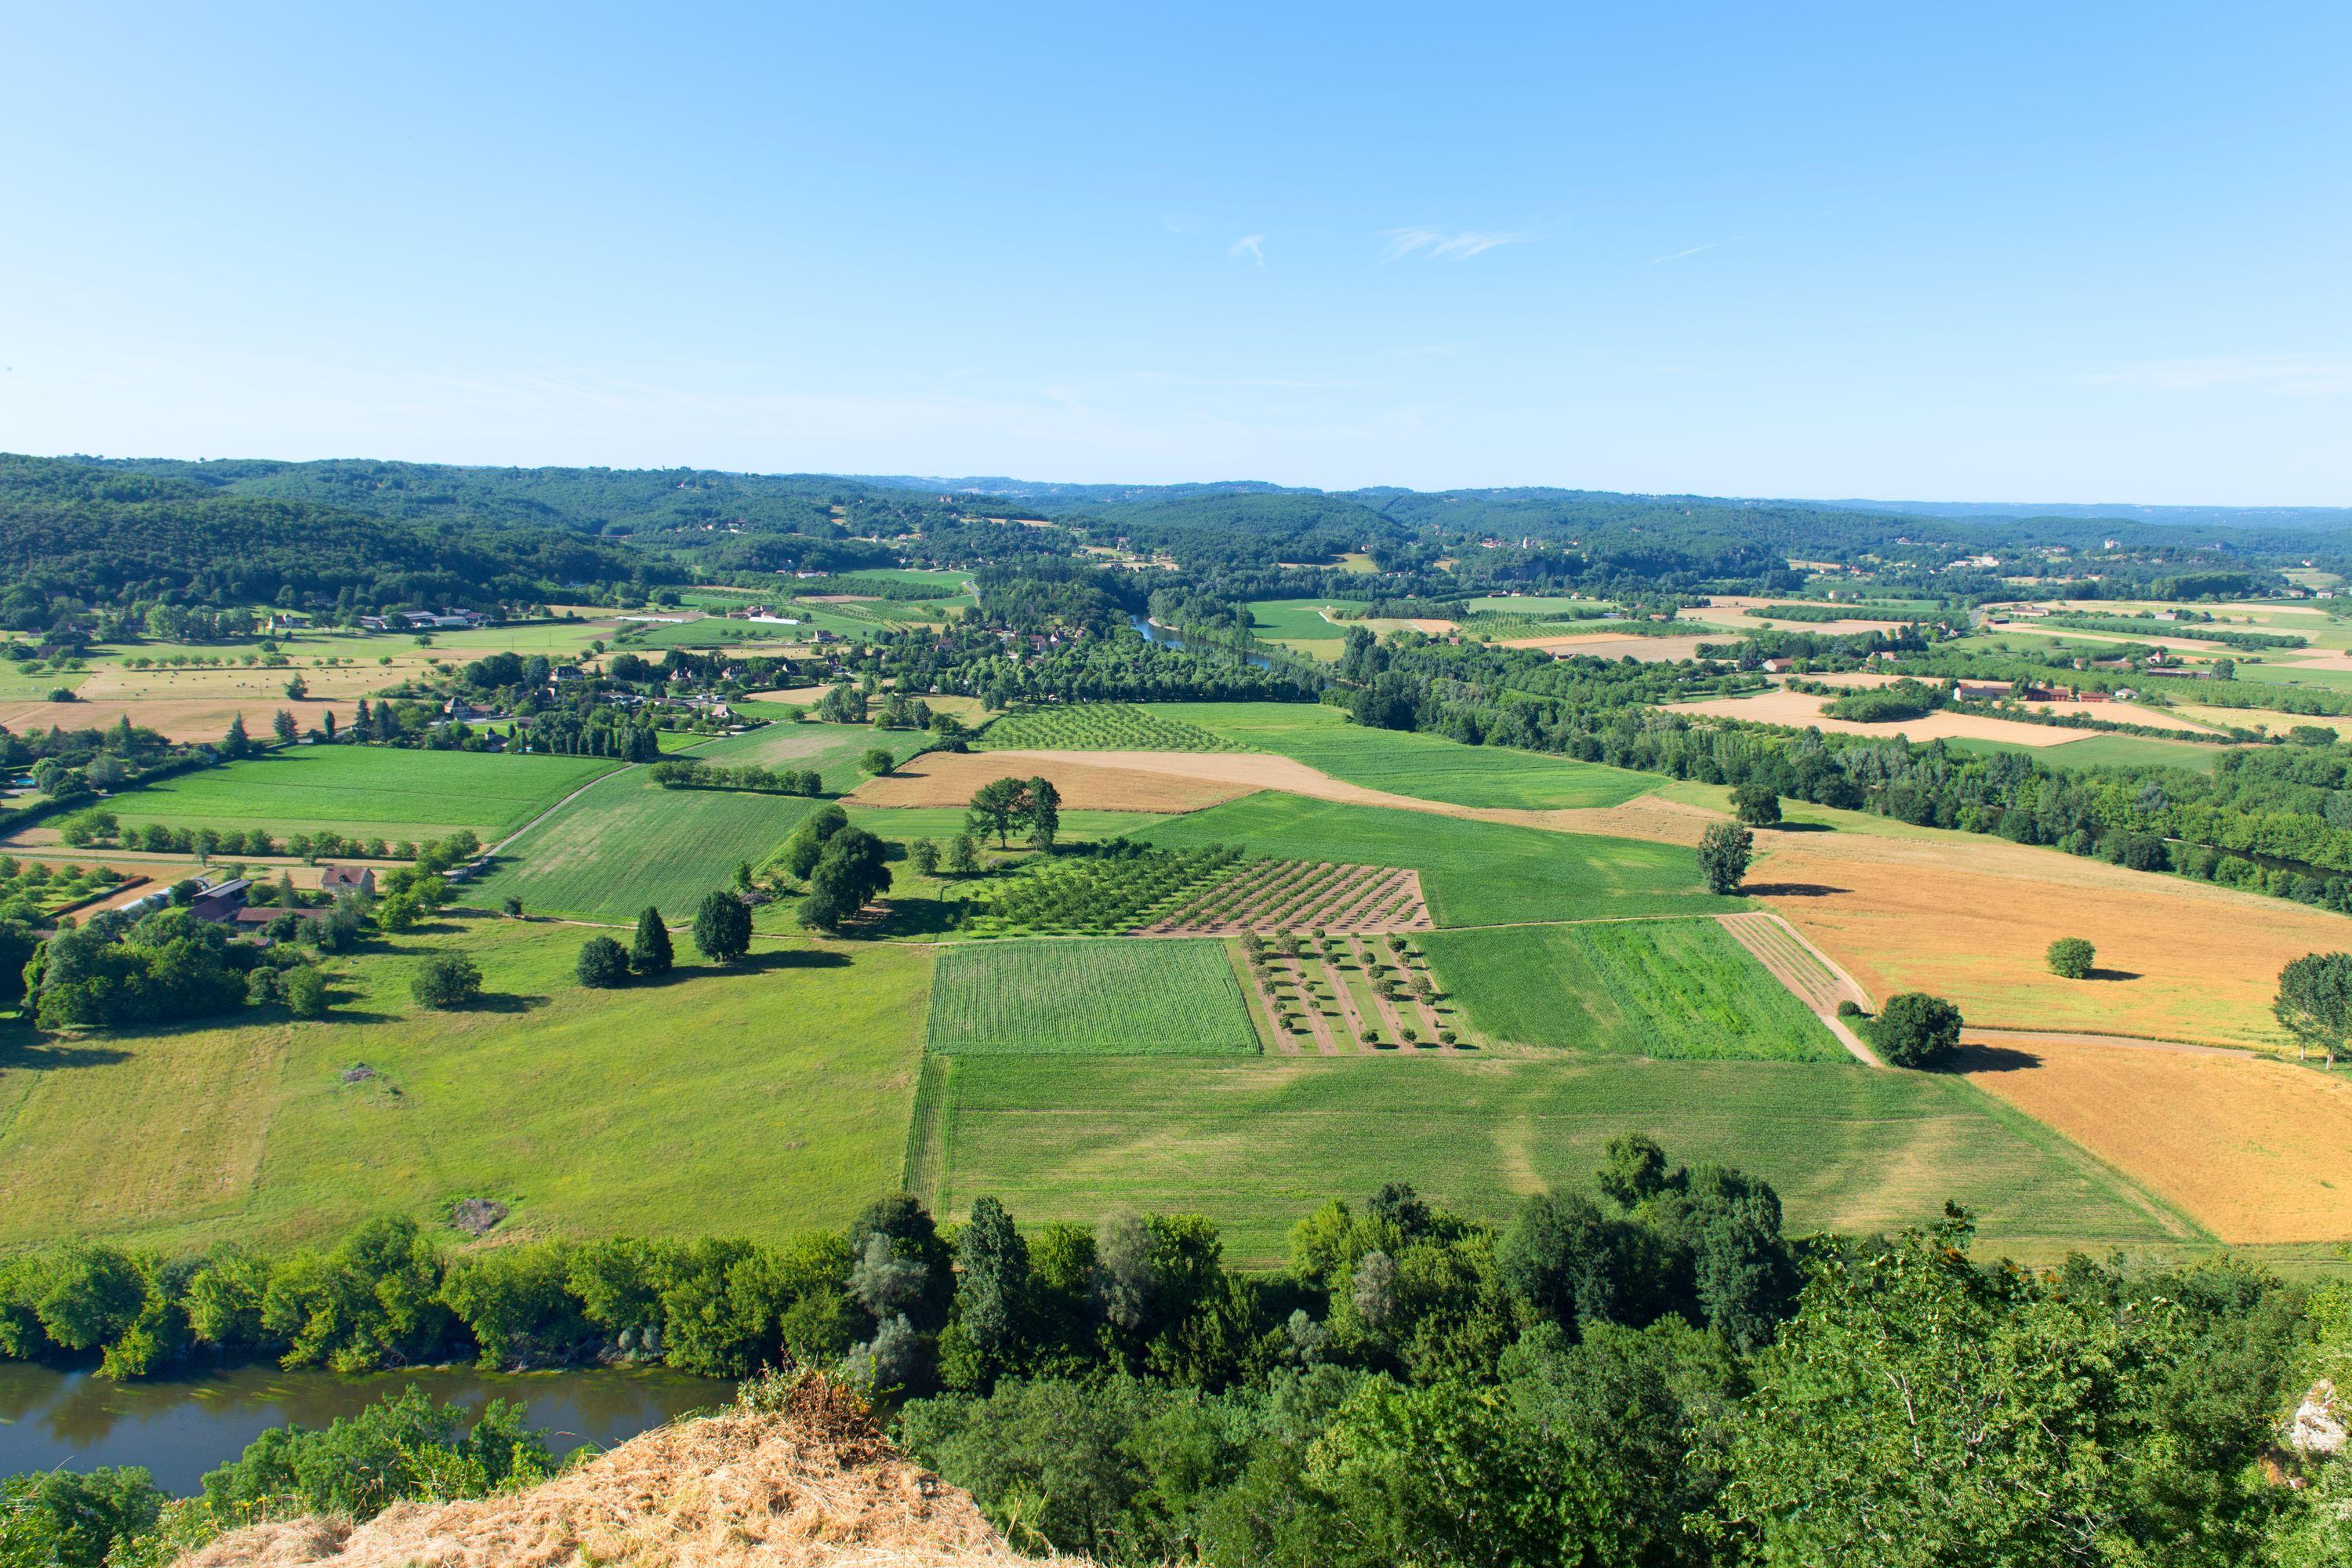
[1254,1142]
[1428,766]
[1471,872]
[364,792]
[1099,727]
[774,1093]
[1667,989]
[1090,998]
[625,842]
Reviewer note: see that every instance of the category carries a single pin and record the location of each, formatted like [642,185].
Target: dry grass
[947,778]
[202,718]
[1971,918]
[1732,609]
[813,1482]
[2252,1150]
[1602,644]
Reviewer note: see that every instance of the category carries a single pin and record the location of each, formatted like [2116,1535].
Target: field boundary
[551,810]
[1787,957]
[922,1168]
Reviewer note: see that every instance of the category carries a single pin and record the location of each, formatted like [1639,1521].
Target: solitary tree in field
[877,762]
[446,981]
[723,927]
[2069,958]
[1723,855]
[603,963]
[2314,1003]
[651,953]
[924,856]
[1756,805]
[1916,1031]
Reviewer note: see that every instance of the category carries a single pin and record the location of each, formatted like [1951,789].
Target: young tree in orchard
[1756,805]
[964,855]
[2314,1003]
[1916,1031]
[603,963]
[924,856]
[1723,855]
[651,954]
[723,927]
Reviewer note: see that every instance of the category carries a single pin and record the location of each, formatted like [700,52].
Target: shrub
[603,963]
[1850,1008]
[446,981]
[306,993]
[2069,958]
[1916,1031]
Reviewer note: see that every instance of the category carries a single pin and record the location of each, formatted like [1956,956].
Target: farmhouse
[220,902]
[1778,666]
[347,879]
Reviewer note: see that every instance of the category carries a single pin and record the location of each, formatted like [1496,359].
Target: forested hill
[655,501]
[105,533]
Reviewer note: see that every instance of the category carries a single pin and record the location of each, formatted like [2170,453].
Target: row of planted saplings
[1105,896]
[1397,979]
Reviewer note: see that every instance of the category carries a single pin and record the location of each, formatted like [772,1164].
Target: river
[1154,632]
[180,1427]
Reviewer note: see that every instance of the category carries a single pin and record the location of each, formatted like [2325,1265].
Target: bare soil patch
[1798,710]
[2251,1148]
[1972,918]
[180,718]
[947,778]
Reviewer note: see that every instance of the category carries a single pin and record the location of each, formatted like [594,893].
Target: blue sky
[2058,253]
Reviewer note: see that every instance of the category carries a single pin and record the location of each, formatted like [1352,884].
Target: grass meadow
[1256,1144]
[1107,997]
[1474,873]
[761,1100]
[1429,767]
[366,791]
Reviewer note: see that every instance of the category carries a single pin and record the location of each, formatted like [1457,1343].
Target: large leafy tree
[850,872]
[1921,1411]
[2314,1003]
[1723,855]
[722,926]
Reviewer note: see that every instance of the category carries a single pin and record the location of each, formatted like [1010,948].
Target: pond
[180,1427]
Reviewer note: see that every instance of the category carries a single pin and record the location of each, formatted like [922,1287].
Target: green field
[1257,1143]
[2100,750]
[1667,989]
[1114,997]
[904,824]
[627,842]
[1472,873]
[1428,767]
[1298,620]
[366,791]
[832,748]
[761,1100]
[1098,727]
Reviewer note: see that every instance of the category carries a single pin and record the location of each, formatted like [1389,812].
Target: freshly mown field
[761,1100]
[1427,766]
[1090,998]
[366,791]
[1668,989]
[832,748]
[1472,872]
[1099,727]
[627,842]
[1257,1143]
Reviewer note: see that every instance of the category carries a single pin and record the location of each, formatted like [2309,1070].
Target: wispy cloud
[1694,250]
[2286,375]
[1251,245]
[1431,244]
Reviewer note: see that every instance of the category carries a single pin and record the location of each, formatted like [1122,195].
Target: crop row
[1105,896]
[1099,727]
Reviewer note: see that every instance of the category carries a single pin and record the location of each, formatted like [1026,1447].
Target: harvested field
[1971,918]
[1798,710]
[1735,608]
[2252,1150]
[183,718]
[1602,644]
[949,778]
